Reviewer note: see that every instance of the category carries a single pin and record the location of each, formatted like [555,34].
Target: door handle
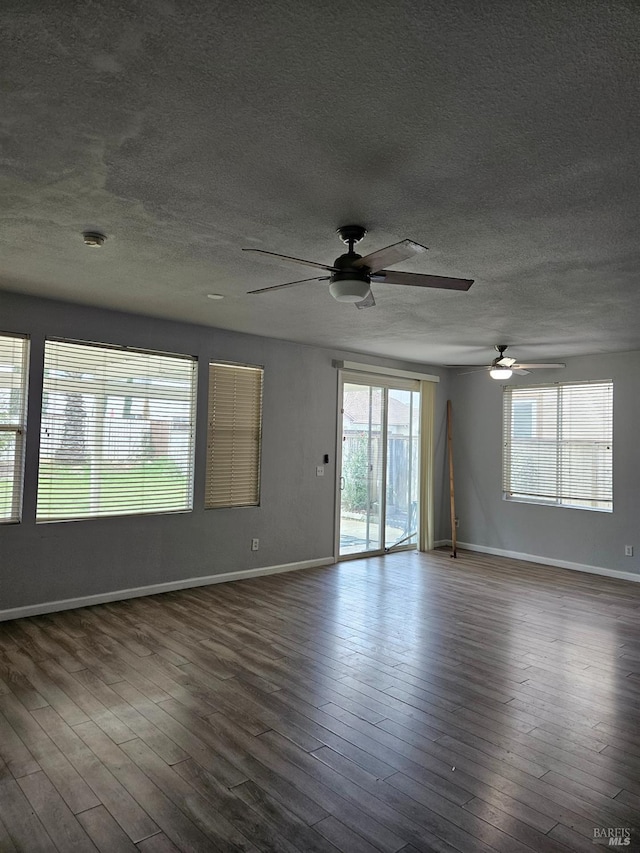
[341,484]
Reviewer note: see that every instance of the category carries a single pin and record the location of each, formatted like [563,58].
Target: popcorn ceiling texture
[504,136]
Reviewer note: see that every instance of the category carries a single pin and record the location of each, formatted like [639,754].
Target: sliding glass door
[402,469]
[380,466]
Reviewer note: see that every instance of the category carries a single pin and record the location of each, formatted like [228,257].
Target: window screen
[558,444]
[234,436]
[13,384]
[117,432]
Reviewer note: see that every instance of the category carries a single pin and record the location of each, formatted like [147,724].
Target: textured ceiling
[503,135]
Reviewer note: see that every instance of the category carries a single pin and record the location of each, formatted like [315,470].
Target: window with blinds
[234,436]
[558,444]
[13,384]
[117,432]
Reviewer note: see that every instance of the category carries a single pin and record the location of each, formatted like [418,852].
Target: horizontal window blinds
[234,436]
[558,443]
[13,384]
[117,432]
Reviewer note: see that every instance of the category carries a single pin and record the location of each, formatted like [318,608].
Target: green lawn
[73,492]
[6,494]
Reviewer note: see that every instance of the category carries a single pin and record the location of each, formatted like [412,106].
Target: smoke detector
[94,239]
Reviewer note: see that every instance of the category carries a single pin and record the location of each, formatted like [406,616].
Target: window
[13,385]
[234,436]
[522,418]
[558,444]
[117,432]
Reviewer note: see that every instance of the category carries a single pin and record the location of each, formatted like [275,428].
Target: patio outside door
[380,471]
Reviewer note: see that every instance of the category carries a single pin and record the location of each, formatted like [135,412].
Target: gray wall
[295,522]
[555,533]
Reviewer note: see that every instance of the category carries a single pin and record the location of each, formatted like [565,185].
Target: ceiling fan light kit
[349,284]
[348,288]
[350,275]
[501,366]
[500,373]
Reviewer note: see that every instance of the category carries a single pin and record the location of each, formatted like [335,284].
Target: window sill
[540,502]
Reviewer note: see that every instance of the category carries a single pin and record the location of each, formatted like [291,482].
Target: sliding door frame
[354,373]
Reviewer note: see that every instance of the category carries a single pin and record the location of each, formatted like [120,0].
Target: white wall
[295,522]
[550,533]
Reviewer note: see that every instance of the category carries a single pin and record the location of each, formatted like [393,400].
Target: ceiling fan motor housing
[349,284]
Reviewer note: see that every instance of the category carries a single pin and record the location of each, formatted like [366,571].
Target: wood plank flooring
[406,703]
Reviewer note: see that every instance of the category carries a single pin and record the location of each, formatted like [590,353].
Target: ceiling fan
[503,366]
[350,275]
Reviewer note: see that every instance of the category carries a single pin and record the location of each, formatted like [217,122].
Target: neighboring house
[356,413]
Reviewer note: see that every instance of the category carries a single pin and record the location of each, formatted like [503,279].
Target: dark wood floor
[407,703]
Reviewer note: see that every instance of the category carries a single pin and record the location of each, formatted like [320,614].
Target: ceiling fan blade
[538,366]
[418,280]
[289,258]
[391,255]
[505,361]
[367,302]
[289,284]
[467,372]
[520,371]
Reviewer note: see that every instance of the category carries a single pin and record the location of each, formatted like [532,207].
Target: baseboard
[154,589]
[548,561]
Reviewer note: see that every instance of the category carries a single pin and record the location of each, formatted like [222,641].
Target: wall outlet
[319,470]
[255,544]
[457,522]
[628,550]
